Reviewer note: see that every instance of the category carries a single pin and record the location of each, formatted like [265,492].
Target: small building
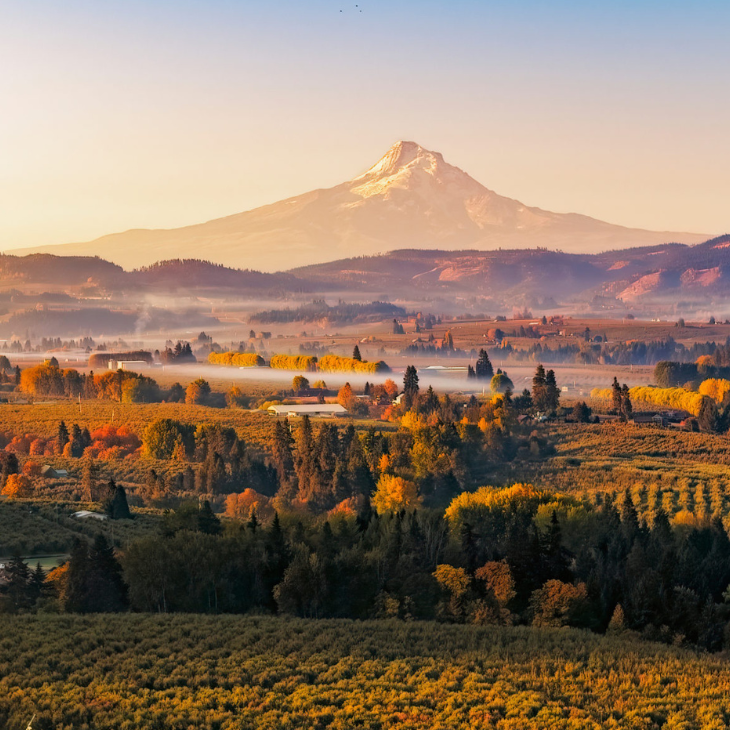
[309,409]
[128,364]
[649,418]
[50,473]
[86,514]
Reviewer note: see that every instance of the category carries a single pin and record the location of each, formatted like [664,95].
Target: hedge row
[308,363]
[677,398]
[240,359]
[337,364]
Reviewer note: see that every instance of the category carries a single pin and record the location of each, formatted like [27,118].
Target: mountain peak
[403,155]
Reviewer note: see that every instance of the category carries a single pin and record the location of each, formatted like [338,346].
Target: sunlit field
[226,673]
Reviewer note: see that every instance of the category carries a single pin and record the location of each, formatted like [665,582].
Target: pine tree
[617,396]
[410,386]
[626,409]
[484,369]
[539,389]
[61,437]
[431,401]
[17,588]
[208,522]
[116,505]
[106,590]
[356,354]
[552,392]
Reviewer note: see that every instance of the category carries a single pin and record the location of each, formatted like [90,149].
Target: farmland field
[226,673]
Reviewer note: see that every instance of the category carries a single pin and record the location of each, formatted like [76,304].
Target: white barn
[309,409]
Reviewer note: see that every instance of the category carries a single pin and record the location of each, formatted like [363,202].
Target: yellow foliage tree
[715,388]
[239,359]
[475,506]
[394,494]
[17,486]
[678,398]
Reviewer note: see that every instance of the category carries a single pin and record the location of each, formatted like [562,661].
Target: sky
[157,114]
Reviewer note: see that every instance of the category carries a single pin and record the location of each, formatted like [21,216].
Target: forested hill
[632,276]
[627,274]
[59,272]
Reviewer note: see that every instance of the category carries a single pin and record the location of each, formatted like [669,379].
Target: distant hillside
[411,198]
[630,275]
[42,268]
[193,273]
[60,272]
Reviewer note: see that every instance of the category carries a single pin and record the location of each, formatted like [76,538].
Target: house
[85,514]
[309,409]
[50,473]
[649,418]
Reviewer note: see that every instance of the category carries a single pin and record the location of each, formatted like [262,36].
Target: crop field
[42,527]
[692,470]
[226,673]
[42,419]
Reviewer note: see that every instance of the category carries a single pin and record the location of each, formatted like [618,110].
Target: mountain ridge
[410,198]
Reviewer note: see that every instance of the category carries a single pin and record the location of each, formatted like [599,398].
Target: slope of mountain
[411,198]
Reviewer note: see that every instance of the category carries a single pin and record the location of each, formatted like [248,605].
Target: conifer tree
[484,369]
[539,389]
[410,386]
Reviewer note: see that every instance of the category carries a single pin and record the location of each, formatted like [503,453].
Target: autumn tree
[345,396]
[393,493]
[17,486]
[197,392]
[235,398]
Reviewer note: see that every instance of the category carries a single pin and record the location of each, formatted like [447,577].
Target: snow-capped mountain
[411,198]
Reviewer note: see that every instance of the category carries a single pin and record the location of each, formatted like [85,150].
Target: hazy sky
[117,115]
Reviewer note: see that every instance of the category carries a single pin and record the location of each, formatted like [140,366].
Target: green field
[226,673]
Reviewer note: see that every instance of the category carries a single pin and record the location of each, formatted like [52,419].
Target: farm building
[309,409]
[50,473]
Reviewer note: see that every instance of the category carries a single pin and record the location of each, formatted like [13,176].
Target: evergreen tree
[208,522]
[356,354]
[484,369]
[617,396]
[552,392]
[431,401]
[116,505]
[539,389]
[410,387]
[708,416]
[61,437]
[106,590]
[17,588]
[626,407]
